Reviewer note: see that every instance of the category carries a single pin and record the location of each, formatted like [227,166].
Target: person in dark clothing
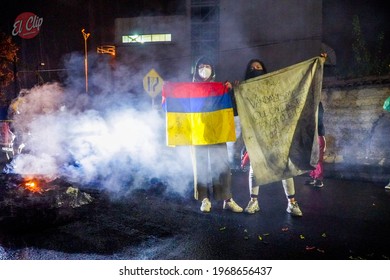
[386,106]
[317,175]
[254,69]
[210,163]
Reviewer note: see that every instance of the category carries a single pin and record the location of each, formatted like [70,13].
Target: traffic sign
[153,83]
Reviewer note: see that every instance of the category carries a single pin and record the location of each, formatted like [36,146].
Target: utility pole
[85,35]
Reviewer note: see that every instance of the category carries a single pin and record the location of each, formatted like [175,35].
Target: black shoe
[318,184]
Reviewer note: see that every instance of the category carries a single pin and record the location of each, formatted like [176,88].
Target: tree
[8,56]
[368,61]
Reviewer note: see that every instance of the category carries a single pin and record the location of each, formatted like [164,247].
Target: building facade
[281,33]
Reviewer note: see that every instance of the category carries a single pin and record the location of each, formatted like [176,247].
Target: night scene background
[63,21]
[115,138]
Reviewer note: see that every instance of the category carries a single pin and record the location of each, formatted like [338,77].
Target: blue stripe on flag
[198,105]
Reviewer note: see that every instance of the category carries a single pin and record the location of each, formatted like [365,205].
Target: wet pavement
[346,219]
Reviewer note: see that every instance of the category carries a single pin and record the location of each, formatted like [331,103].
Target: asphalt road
[343,220]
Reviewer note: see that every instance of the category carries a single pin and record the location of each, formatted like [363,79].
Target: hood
[203,60]
[248,67]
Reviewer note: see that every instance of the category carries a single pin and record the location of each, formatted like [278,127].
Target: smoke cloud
[110,138]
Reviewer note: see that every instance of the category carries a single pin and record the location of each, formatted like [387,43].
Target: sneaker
[232,206]
[387,187]
[206,205]
[293,209]
[253,207]
[318,183]
[310,182]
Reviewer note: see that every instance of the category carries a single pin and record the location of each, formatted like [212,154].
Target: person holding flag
[200,115]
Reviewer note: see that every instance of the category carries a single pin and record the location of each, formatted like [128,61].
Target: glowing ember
[32,186]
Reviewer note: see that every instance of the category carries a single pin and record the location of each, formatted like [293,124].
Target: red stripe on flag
[193,89]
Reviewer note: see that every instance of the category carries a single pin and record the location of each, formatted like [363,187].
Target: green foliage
[8,55]
[367,61]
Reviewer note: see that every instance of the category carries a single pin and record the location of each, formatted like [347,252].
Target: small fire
[32,185]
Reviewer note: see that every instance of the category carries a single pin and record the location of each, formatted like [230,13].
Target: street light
[40,80]
[85,35]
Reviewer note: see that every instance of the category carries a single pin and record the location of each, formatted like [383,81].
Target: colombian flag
[198,113]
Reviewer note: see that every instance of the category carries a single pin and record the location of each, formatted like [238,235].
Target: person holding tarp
[200,114]
[256,68]
[386,106]
[278,116]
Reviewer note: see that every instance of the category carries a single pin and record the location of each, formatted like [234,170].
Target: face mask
[204,73]
[255,73]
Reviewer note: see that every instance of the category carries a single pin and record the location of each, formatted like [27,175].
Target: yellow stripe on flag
[204,128]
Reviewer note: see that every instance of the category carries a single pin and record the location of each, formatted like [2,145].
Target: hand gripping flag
[278,115]
[198,113]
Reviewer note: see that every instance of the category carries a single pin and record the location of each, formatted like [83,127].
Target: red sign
[27,25]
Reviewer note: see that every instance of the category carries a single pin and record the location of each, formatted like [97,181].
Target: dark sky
[64,19]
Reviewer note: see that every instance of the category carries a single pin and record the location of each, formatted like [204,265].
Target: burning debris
[35,193]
